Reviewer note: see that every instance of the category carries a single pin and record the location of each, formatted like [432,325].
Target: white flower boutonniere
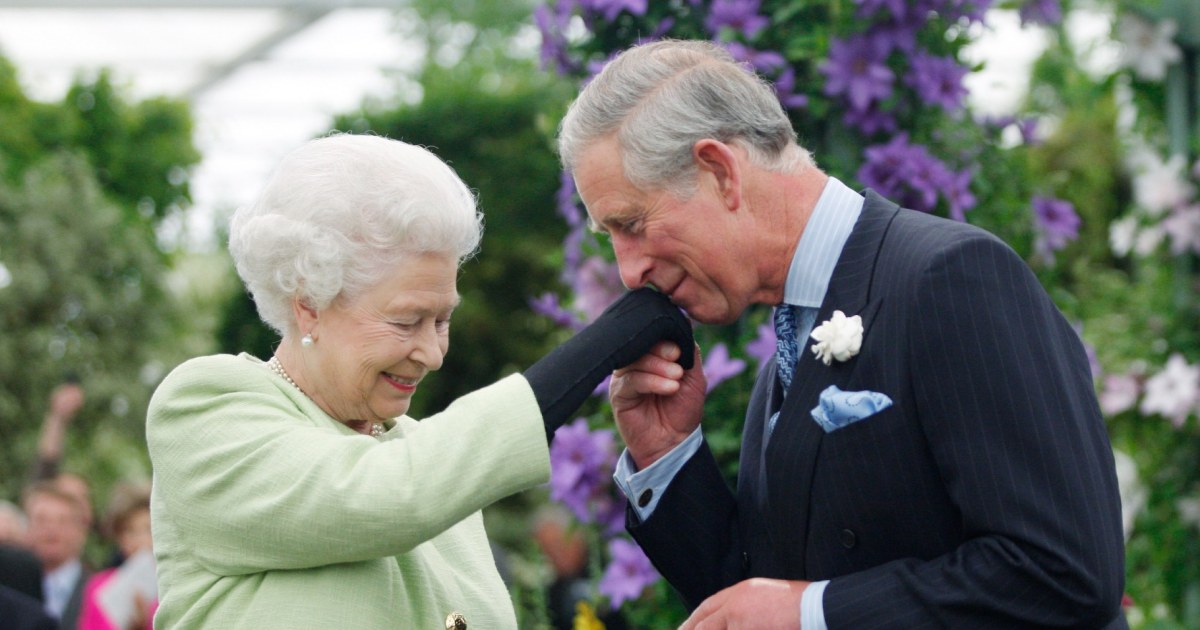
[840,337]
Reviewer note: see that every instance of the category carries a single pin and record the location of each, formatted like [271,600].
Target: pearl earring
[306,341]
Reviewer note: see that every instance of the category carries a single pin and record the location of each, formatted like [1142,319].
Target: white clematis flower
[1174,392]
[1133,493]
[1162,186]
[1148,47]
[1122,234]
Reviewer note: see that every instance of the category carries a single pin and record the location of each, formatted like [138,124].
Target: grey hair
[339,213]
[661,98]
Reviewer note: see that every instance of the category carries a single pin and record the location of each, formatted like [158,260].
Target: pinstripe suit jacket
[985,496]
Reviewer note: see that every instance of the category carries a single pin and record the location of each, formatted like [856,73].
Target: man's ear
[716,160]
[306,316]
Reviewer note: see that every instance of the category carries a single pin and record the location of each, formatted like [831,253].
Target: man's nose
[633,265]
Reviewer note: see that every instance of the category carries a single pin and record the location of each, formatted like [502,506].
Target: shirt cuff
[812,607]
[644,488]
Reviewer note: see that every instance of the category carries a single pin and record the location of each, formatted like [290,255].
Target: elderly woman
[295,493]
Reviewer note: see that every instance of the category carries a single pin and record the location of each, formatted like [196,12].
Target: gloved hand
[626,330]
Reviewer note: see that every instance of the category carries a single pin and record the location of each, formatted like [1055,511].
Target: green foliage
[1137,309]
[140,151]
[134,147]
[84,292]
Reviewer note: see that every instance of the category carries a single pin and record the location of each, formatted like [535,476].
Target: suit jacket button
[644,498]
[455,621]
[848,538]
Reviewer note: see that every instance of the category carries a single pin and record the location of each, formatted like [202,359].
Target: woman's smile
[403,384]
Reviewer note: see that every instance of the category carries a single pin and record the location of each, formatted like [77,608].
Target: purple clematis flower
[719,367]
[928,177]
[597,284]
[612,8]
[739,15]
[870,121]
[1057,224]
[785,88]
[547,305]
[565,200]
[856,69]
[761,60]
[958,194]
[972,10]
[552,23]
[610,513]
[1028,128]
[996,122]
[629,573]
[573,252]
[602,389]
[868,8]
[938,80]
[1048,12]
[763,347]
[596,65]
[885,163]
[901,36]
[581,461]
[905,172]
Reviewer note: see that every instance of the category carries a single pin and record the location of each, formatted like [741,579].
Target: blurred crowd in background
[58,552]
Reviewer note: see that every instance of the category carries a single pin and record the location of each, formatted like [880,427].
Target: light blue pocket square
[838,409]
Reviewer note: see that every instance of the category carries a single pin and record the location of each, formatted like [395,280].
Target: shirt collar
[66,573]
[59,583]
[821,243]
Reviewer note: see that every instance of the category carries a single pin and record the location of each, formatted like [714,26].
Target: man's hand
[65,402]
[656,402]
[749,605]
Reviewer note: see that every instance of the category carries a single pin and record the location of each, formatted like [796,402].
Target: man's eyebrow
[616,218]
[595,227]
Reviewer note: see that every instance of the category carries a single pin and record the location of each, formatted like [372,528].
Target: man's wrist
[644,487]
[644,461]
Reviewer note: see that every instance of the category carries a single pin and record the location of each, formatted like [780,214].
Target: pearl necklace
[377,428]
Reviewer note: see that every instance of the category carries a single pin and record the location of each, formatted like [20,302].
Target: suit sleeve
[692,535]
[1007,406]
[252,487]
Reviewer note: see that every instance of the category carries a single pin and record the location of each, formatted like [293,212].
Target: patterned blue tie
[790,323]
[785,341]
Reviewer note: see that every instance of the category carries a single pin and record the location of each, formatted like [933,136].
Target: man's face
[57,531]
[682,247]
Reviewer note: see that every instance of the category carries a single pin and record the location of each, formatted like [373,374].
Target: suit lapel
[792,449]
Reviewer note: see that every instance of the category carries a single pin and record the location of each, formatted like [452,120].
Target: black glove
[624,332]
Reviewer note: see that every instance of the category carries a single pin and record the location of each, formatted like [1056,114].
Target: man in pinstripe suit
[947,466]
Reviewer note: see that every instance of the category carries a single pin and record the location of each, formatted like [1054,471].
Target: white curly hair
[341,211]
